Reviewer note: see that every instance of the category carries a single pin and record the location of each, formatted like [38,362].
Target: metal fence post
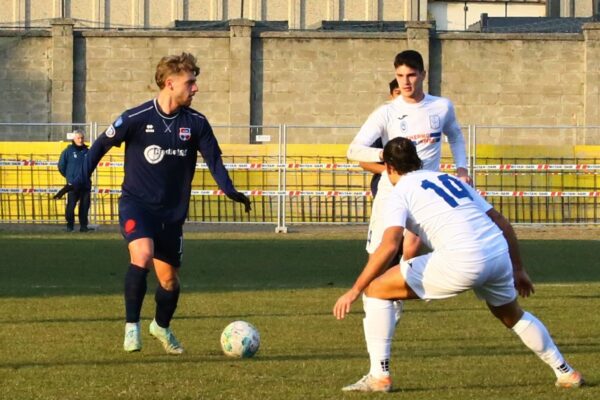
[473,140]
[281,186]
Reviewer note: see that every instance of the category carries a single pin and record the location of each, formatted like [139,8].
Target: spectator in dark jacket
[69,164]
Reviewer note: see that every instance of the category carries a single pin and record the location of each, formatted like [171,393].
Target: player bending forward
[474,247]
[162,139]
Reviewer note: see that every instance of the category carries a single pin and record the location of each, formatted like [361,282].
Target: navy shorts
[136,223]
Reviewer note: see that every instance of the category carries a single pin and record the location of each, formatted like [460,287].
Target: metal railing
[293,182]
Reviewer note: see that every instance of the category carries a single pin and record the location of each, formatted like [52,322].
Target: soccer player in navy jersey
[162,138]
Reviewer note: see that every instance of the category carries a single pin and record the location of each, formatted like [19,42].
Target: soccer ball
[240,339]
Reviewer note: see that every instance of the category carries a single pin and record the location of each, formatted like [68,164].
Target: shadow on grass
[294,314]
[214,357]
[140,358]
[37,267]
[487,386]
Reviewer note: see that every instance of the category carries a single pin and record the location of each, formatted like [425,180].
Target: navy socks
[135,290]
[166,303]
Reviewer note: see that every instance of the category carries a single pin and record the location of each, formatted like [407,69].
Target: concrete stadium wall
[320,80]
[25,83]
[117,72]
[513,80]
[308,78]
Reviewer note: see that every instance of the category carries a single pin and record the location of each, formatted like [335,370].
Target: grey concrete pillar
[240,68]
[591,83]
[61,72]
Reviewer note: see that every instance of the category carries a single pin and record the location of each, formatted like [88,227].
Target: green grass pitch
[61,324]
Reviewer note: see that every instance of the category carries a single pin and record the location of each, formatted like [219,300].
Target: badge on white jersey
[403,126]
[434,121]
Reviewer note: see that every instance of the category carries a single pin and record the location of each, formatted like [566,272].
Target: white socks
[535,336]
[379,325]
[380,322]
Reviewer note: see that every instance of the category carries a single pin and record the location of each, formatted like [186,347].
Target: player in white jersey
[367,166]
[474,247]
[421,117]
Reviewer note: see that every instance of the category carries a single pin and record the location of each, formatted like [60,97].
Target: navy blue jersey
[160,157]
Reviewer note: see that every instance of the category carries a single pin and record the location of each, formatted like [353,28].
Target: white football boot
[166,338]
[573,379]
[369,383]
[133,338]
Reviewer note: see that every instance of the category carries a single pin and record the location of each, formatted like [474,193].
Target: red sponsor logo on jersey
[130,226]
[185,134]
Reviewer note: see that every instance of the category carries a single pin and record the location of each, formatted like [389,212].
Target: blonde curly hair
[174,64]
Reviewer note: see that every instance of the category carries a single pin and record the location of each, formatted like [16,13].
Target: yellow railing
[318,183]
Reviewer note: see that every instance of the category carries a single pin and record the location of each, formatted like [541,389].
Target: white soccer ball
[240,339]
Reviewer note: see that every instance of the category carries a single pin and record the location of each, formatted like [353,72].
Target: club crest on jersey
[185,134]
[434,121]
[403,126]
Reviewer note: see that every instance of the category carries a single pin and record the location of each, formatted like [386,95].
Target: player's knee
[508,314]
[141,252]
[142,259]
[141,256]
[170,284]
[375,290]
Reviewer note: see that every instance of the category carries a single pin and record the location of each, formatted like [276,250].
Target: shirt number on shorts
[452,185]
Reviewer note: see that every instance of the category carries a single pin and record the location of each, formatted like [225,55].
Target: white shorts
[377,220]
[434,276]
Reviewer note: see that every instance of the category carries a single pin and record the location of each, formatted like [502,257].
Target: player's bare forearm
[411,246]
[375,168]
[377,262]
[523,284]
[381,258]
[510,236]
[343,304]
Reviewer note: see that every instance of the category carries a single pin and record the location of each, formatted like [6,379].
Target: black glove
[65,189]
[241,198]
